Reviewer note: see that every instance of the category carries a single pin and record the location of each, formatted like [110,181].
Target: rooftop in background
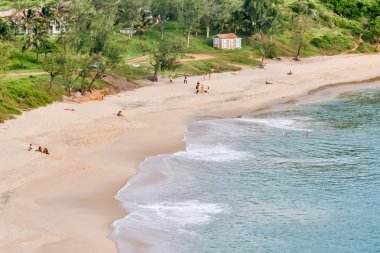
[226,36]
[6,14]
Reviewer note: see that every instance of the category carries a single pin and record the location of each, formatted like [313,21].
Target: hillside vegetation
[163,33]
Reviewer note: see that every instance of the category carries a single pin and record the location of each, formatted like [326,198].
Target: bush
[332,43]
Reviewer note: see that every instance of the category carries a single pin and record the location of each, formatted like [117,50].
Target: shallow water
[305,179]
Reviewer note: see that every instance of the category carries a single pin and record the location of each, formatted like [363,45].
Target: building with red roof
[227,41]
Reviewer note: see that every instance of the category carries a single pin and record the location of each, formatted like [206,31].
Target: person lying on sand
[267,82]
[120,114]
[46,151]
[39,149]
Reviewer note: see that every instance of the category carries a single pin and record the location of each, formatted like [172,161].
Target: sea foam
[279,123]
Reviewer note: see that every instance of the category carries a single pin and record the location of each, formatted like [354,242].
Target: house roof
[226,36]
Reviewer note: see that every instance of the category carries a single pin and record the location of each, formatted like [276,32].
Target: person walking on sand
[197,88]
[185,80]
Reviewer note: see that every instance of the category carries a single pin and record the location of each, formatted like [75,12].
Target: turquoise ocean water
[301,179]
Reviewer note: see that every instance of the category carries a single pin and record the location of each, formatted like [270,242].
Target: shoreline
[66,204]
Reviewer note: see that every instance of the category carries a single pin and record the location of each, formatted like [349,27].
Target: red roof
[226,36]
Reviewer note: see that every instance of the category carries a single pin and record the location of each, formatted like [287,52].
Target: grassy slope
[22,93]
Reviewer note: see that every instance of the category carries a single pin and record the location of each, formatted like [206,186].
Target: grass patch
[331,43]
[23,93]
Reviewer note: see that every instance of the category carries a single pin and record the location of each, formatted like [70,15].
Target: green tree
[47,47]
[164,54]
[53,65]
[91,25]
[224,13]
[264,45]
[161,10]
[261,14]
[132,13]
[35,38]
[374,30]
[301,24]
[211,7]
[189,17]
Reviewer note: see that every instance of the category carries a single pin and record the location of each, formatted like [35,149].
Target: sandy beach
[65,202]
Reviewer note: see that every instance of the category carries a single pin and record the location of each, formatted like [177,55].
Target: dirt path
[197,57]
[194,57]
[138,59]
[24,74]
[356,45]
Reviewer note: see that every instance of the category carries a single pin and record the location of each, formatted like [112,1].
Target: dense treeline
[86,48]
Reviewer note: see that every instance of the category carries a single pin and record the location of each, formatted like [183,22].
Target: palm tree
[35,38]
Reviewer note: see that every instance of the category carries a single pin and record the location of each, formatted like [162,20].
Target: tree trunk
[92,82]
[188,38]
[52,77]
[131,31]
[83,90]
[262,60]
[162,29]
[297,57]
[207,31]
[156,68]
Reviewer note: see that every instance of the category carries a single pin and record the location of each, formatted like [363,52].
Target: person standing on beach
[185,80]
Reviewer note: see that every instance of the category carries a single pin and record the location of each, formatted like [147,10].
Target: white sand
[64,202]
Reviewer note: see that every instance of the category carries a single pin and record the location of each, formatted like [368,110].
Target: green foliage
[4,29]
[332,42]
[23,93]
[164,54]
[47,47]
[355,8]
[303,7]
[5,52]
[261,14]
